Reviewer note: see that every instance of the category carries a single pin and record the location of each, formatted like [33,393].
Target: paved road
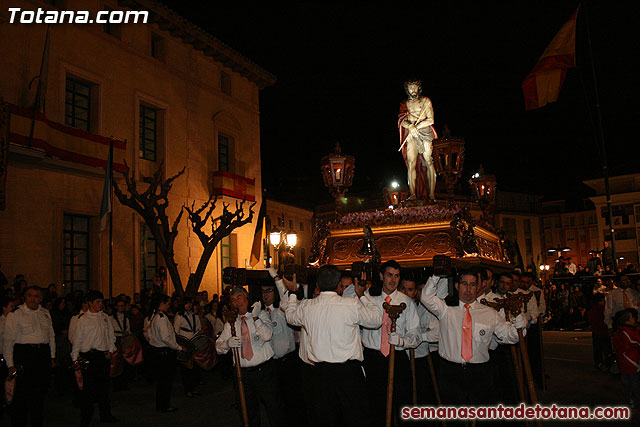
[568,361]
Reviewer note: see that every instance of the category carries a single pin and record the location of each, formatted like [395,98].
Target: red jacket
[626,344]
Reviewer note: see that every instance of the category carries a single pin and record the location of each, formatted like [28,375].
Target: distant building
[573,228]
[171,94]
[518,215]
[287,218]
[625,201]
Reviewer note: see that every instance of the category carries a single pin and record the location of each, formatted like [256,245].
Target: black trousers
[289,375]
[96,382]
[602,350]
[534,350]
[376,367]
[424,382]
[190,377]
[468,384]
[34,363]
[164,362]
[261,385]
[339,394]
[504,375]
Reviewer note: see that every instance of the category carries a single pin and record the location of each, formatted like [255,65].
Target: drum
[131,350]
[205,354]
[117,364]
[184,356]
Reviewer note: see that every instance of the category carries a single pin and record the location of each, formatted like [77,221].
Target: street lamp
[337,173]
[448,159]
[282,240]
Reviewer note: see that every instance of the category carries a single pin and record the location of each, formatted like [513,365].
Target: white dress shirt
[93,332]
[485,323]
[260,332]
[300,337]
[121,324]
[282,339]
[3,321]
[614,302]
[160,331]
[429,332]
[492,296]
[27,326]
[350,291]
[542,305]
[216,324]
[407,325]
[531,313]
[187,324]
[331,325]
[72,325]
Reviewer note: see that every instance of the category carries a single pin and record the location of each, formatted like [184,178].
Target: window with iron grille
[78,104]
[76,252]
[225,252]
[148,132]
[224,144]
[148,257]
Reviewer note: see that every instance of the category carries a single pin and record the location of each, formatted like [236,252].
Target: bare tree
[151,205]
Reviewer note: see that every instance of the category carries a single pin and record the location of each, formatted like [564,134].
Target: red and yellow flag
[542,84]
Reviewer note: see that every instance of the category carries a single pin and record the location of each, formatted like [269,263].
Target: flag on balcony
[542,85]
[105,208]
[259,235]
[232,185]
[63,142]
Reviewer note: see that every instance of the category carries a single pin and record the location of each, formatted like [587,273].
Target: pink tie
[385,348]
[247,351]
[467,336]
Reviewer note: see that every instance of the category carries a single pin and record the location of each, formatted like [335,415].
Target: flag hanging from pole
[105,209]
[542,85]
[259,235]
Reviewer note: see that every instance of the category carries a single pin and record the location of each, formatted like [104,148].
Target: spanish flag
[542,84]
[259,235]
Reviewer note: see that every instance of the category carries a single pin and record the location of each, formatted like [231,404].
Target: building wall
[529,237]
[576,230]
[298,219]
[185,88]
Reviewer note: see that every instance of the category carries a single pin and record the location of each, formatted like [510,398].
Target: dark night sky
[340,70]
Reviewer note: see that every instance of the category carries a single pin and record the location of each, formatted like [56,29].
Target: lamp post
[281,240]
[484,188]
[337,173]
[448,159]
[544,270]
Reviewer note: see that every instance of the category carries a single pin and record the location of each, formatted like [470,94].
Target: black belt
[258,367]
[464,365]
[34,346]
[347,363]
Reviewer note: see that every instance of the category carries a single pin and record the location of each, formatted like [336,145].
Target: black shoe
[110,419]
[169,410]
[196,393]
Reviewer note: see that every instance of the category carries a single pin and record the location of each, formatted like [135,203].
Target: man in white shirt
[331,325]
[95,342]
[121,324]
[187,324]
[500,358]
[429,334]
[377,344]
[253,333]
[620,298]
[74,320]
[346,287]
[30,348]
[534,340]
[465,336]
